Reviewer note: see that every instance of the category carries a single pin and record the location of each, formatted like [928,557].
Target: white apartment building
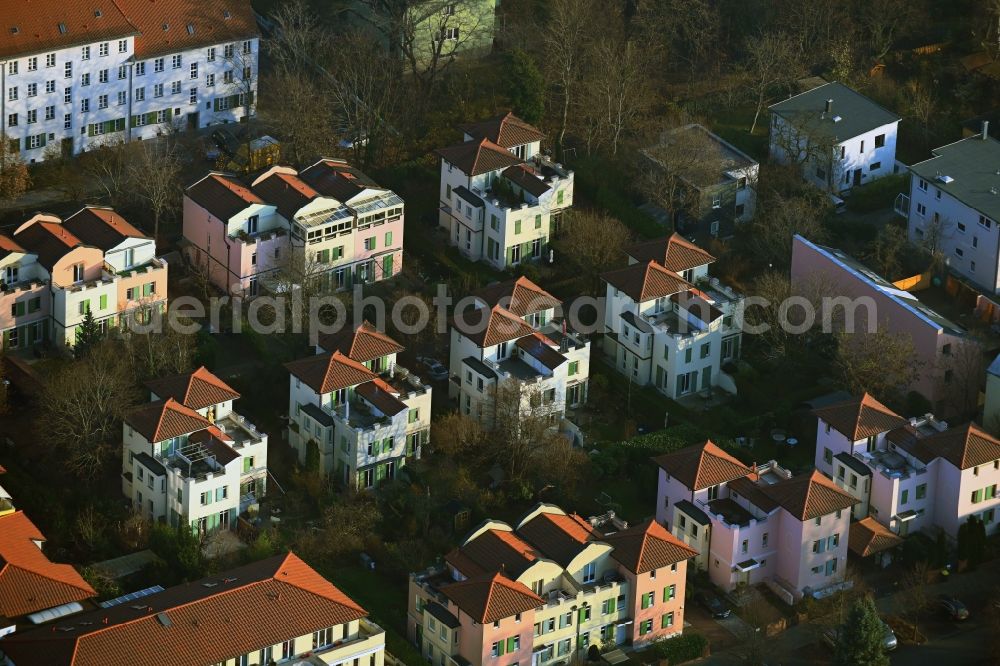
[667,323]
[56,271]
[354,411]
[757,524]
[501,199]
[330,222]
[954,207]
[76,75]
[187,457]
[909,474]
[838,137]
[512,334]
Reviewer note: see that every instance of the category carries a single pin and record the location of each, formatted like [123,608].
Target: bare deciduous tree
[84,404]
[154,175]
[779,218]
[684,159]
[770,64]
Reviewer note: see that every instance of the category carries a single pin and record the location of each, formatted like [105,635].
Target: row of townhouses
[329,224]
[54,271]
[76,75]
[546,590]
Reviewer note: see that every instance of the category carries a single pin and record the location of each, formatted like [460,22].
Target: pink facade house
[909,474]
[546,590]
[755,525]
[829,272]
[94,261]
[329,223]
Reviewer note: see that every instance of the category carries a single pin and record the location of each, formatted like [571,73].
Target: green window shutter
[387,266]
[573,368]
[85,304]
[510,255]
[6,339]
[538,221]
[388,238]
[151,118]
[447,191]
[19,309]
[510,644]
[324,256]
[170,114]
[246,465]
[559,197]
[44,138]
[104,301]
[517,226]
[413,416]
[90,129]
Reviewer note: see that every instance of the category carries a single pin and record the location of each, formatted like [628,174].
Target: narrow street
[948,641]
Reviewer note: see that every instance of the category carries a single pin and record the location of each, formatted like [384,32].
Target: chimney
[986,129]
[829,106]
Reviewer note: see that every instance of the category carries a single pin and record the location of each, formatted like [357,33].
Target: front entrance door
[192,121]
[66,147]
[223,520]
[857,176]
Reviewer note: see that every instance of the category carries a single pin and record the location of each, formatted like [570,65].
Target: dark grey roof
[479,367]
[150,463]
[318,415]
[442,615]
[696,514]
[467,194]
[638,322]
[857,113]
[854,463]
[972,166]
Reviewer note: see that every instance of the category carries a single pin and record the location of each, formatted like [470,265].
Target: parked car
[889,641]
[955,609]
[839,205]
[713,604]
[435,370]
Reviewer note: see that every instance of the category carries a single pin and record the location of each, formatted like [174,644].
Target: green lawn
[384,598]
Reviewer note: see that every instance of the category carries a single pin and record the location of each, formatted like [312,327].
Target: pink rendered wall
[93,263]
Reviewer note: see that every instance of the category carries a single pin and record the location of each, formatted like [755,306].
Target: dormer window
[77,272]
[10,275]
[129,257]
[589,572]
[252,222]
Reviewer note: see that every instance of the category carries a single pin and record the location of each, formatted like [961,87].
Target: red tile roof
[491,597]
[189,24]
[29,582]
[32,26]
[50,241]
[101,227]
[165,419]
[286,191]
[860,418]
[222,195]
[674,253]
[204,622]
[491,551]
[702,466]
[489,327]
[8,246]
[868,536]
[506,130]
[964,447]
[521,297]
[809,496]
[558,536]
[365,343]
[648,546]
[646,282]
[337,179]
[330,372]
[474,158]
[197,390]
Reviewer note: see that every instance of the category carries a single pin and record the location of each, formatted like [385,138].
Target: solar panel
[132,596]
